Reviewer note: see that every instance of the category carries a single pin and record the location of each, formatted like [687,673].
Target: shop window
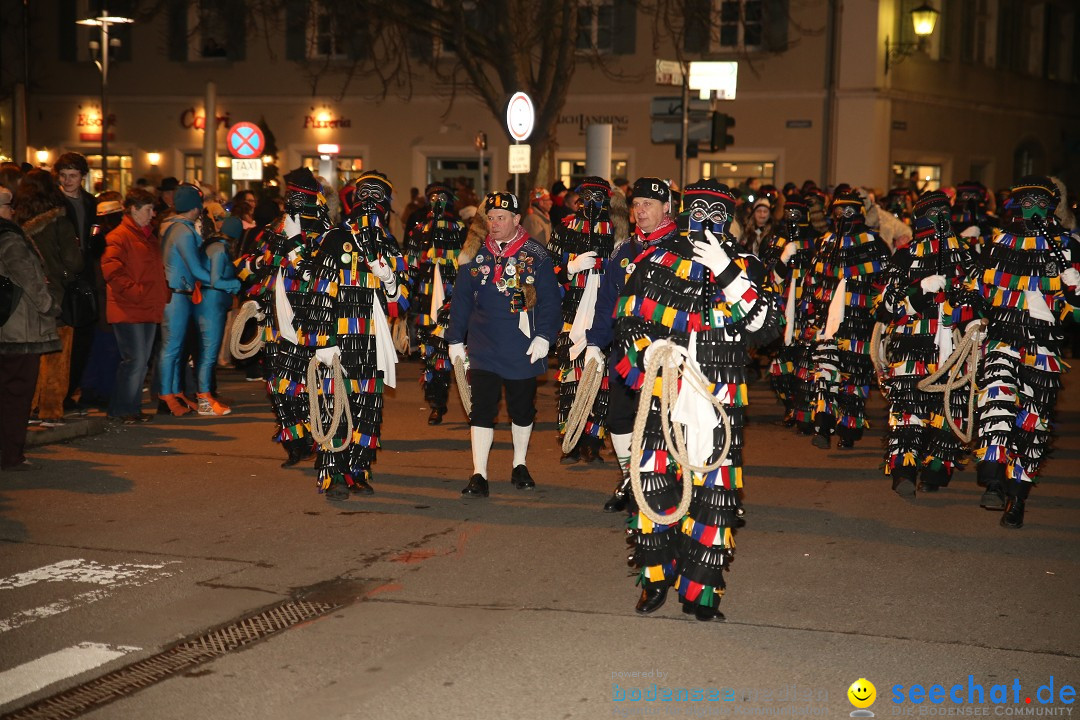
[572,170]
[463,175]
[338,170]
[926,177]
[735,173]
[120,178]
[193,172]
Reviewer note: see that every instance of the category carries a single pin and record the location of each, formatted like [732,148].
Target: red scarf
[666,226]
[508,250]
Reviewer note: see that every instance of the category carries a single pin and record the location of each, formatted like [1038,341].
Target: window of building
[572,169]
[927,177]
[739,25]
[325,36]
[596,26]
[472,23]
[119,173]
[209,36]
[977,22]
[463,175]
[734,173]
[338,169]
[193,172]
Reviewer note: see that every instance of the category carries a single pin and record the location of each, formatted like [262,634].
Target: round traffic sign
[245,140]
[520,116]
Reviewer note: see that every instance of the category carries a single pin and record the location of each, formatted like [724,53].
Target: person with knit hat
[758,233]
[212,312]
[692,305]
[275,281]
[538,222]
[849,275]
[580,249]
[930,292]
[433,261]
[357,282]
[1029,279]
[651,210]
[506,304]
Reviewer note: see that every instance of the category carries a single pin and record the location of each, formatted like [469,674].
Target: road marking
[77,570]
[54,667]
[113,577]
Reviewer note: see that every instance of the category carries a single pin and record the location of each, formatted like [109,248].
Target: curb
[72,428]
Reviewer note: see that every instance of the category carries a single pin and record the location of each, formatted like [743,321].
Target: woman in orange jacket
[136,294]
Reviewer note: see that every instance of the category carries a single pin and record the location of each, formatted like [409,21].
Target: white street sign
[714,76]
[669,72]
[520,116]
[520,159]
[251,169]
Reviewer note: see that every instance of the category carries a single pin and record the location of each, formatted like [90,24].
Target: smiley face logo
[862,693]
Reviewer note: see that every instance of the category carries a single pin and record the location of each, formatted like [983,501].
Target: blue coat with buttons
[486,316]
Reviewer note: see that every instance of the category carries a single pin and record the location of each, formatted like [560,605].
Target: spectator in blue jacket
[506,305]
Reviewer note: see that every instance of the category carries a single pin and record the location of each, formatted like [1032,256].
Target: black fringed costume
[345,297]
[848,278]
[668,296]
[919,326]
[433,244]
[588,230]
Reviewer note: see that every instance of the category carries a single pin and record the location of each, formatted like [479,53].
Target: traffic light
[721,123]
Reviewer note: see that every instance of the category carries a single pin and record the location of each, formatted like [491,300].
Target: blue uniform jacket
[487,317]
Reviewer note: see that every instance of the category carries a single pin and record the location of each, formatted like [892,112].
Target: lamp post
[923,20]
[103,21]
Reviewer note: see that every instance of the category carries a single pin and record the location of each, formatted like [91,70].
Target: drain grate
[179,658]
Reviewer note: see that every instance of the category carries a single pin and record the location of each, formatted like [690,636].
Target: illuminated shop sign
[190,119]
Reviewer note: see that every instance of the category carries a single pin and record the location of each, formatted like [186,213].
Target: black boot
[571,457]
[931,480]
[903,481]
[991,475]
[362,486]
[436,416]
[652,599]
[702,613]
[1013,517]
[297,452]
[620,497]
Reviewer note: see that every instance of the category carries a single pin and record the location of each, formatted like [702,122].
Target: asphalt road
[121,545]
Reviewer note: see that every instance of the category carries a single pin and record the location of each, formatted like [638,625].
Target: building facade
[828,90]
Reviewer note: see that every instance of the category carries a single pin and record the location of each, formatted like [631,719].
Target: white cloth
[971,232]
[932,283]
[438,296]
[385,356]
[283,310]
[789,314]
[583,319]
[1036,305]
[943,337]
[523,323]
[327,355]
[836,309]
[694,410]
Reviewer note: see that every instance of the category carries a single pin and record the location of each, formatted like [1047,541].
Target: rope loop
[325,440]
[592,377]
[240,350]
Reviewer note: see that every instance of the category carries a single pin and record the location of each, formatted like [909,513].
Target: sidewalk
[75,426]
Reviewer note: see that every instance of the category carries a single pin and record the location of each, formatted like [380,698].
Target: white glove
[538,349]
[593,353]
[971,232]
[1071,277]
[933,283]
[382,270]
[292,227]
[709,253]
[327,355]
[788,252]
[584,261]
[457,351]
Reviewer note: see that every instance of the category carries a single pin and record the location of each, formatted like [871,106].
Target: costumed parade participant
[278,286]
[971,218]
[928,295]
[1029,280]
[506,306]
[434,243]
[356,280]
[788,264]
[651,208]
[692,304]
[849,267]
[581,246]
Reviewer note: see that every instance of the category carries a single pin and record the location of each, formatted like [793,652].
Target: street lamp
[923,20]
[103,21]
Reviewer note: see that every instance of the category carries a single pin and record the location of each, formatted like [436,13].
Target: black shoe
[521,478]
[804,428]
[360,487]
[994,496]
[337,492]
[928,486]
[477,487]
[903,482]
[707,614]
[435,418]
[843,444]
[990,473]
[651,600]
[821,441]
[1013,517]
[620,497]
[296,454]
[571,457]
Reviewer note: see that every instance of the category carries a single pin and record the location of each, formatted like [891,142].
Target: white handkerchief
[438,297]
[836,309]
[584,318]
[283,310]
[694,410]
[385,357]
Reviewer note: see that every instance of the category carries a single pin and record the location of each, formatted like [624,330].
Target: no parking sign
[245,140]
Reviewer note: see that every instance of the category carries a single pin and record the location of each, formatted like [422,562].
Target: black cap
[502,201]
[651,187]
[169,183]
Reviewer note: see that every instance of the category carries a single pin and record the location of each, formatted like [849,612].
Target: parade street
[416,603]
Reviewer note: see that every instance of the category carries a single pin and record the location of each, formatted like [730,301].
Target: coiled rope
[240,350]
[462,378]
[592,377]
[961,367]
[325,440]
[670,357]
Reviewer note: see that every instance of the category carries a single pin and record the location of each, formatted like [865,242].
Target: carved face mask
[708,215]
[593,202]
[440,202]
[372,199]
